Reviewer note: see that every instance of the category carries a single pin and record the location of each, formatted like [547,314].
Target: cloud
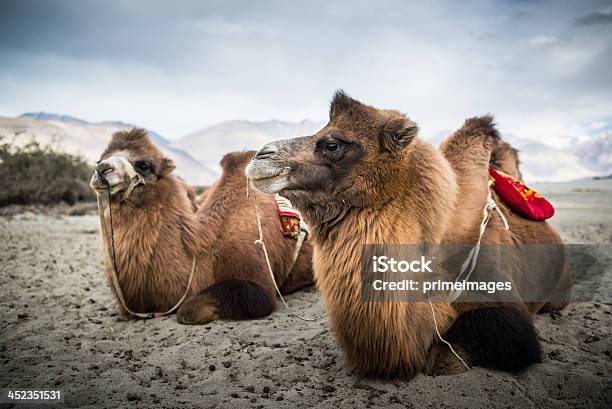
[598,125]
[178,67]
[595,19]
[543,41]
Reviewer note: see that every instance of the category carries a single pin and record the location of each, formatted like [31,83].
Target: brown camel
[157,234]
[367,178]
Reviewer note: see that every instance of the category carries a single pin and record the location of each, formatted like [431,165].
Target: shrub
[200,189]
[39,174]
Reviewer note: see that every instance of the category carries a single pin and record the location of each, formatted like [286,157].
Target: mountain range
[211,143]
[89,140]
[197,154]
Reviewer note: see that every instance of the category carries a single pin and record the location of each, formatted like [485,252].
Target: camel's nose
[104,168]
[268,151]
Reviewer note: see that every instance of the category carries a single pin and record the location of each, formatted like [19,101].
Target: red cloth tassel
[520,198]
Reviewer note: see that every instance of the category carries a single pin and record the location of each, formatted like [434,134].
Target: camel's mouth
[101,186]
[272,184]
[113,172]
[263,175]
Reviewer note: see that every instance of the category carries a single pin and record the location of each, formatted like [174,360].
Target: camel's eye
[143,166]
[332,146]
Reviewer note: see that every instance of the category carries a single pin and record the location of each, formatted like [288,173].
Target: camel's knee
[241,299]
[497,338]
[297,280]
[553,307]
[560,299]
[122,313]
[229,299]
[442,361]
[198,309]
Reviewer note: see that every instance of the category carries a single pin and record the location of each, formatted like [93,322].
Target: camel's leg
[229,299]
[198,309]
[300,276]
[498,338]
[563,293]
[557,305]
[442,361]
[122,314]
[296,281]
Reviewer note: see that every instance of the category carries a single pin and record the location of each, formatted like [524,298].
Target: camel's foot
[198,309]
[441,361]
[229,299]
[553,308]
[122,314]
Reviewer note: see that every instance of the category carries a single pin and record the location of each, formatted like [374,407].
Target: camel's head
[350,162]
[131,159]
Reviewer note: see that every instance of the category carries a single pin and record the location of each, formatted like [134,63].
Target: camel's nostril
[104,168]
[267,151]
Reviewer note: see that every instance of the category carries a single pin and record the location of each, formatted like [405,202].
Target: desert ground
[59,330]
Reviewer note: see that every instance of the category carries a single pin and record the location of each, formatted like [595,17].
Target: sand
[59,330]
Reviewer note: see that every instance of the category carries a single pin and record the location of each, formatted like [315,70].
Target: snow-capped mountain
[597,153]
[46,116]
[89,140]
[210,144]
[197,155]
[544,163]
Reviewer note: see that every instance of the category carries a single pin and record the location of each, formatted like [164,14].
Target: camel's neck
[153,246]
[369,330]
[421,197]
[139,234]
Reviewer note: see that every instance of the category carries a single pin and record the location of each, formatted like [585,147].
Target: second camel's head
[130,165]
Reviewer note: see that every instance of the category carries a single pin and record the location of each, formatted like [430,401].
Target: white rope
[110,250]
[262,243]
[470,263]
[433,313]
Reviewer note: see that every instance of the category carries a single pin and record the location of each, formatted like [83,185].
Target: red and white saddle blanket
[291,221]
[520,198]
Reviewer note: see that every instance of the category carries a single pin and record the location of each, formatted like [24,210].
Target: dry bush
[39,174]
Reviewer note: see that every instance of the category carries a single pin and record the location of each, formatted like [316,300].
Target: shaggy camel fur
[367,177]
[157,233]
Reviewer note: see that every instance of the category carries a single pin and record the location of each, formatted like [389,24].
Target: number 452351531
[30,395]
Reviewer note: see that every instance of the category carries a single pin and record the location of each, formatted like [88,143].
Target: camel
[159,235]
[368,178]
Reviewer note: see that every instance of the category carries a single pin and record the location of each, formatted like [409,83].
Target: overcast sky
[544,68]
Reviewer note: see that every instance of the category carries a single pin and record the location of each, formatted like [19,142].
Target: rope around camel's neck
[105,201]
[260,241]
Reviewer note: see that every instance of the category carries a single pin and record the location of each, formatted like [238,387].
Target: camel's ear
[342,102]
[397,133]
[167,166]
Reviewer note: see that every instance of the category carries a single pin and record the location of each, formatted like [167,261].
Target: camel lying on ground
[367,178]
[158,233]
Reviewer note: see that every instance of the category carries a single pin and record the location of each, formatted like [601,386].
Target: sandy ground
[58,330]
